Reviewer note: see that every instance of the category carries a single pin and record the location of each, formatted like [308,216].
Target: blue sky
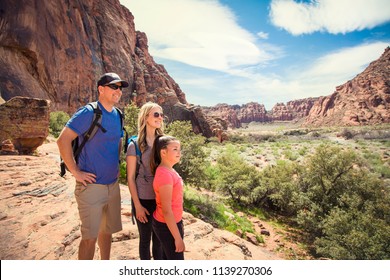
[266,51]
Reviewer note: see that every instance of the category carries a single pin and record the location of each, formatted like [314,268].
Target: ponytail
[160,142]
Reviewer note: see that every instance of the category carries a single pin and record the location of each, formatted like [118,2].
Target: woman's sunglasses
[114,87]
[157,114]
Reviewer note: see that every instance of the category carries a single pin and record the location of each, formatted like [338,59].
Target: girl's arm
[166,198]
[131,162]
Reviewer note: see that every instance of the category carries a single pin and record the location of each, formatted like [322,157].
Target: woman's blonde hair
[142,116]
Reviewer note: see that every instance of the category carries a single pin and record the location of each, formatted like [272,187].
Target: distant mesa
[364,100]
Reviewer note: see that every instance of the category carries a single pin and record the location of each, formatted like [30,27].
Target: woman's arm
[131,163]
[166,204]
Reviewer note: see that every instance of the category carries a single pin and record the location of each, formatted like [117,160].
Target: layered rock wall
[364,100]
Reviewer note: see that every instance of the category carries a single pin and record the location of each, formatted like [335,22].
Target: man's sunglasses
[114,86]
[157,114]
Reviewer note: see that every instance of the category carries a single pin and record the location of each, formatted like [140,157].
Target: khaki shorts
[99,209]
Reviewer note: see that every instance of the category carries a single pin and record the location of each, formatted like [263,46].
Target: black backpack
[90,133]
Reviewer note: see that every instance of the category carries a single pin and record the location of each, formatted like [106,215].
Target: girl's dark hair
[160,142]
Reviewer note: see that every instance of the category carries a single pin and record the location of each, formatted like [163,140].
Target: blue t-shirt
[100,154]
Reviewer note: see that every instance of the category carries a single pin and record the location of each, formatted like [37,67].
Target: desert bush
[215,212]
[212,173]
[339,198]
[193,160]
[343,208]
[131,119]
[57,122]
[278,188]
[236,177]
[346,134]
[237,138]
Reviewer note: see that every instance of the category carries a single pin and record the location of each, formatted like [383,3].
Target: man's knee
[88,242]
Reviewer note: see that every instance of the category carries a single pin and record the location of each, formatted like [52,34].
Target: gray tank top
[144,181]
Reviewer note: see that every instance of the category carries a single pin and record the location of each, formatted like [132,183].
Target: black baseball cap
[111,78]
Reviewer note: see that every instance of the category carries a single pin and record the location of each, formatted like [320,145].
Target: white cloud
[318,79]
[205,34]
[332,16]
[199,33]
[343,64]
[262,35]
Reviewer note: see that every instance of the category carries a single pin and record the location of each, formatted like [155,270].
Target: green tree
[278,189]
[131,119]
[344,208]
[57,122]
[236,177]
[193,160]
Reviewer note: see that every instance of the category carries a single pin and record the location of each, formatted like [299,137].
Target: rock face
[25,122]
[293,110]
[39,218]
[252,112]
[363,100]
[300,108]
[57,50]
[281,112]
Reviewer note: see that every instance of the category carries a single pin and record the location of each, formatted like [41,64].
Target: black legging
[146,233]
[167,241]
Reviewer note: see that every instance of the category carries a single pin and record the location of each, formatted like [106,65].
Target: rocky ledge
[39,219]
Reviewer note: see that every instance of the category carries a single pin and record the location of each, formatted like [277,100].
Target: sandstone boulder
[26,122]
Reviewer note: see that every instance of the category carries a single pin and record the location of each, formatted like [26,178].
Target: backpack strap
[126,135]
[95,125]
[138,154]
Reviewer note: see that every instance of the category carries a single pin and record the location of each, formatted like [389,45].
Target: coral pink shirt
[163,177]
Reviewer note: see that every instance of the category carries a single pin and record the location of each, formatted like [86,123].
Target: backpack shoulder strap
[95,125]
[134,139]
[126,135]
[120,114]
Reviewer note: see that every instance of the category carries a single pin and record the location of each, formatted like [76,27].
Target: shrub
[216,213]
[343,207]
[278,188]
[236,177]
[193,160]
[346,134]
[57,122]
[131,119]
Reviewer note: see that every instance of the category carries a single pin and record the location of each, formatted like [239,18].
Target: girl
[150,121]
[168,186]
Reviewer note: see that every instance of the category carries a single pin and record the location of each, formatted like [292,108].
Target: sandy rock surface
[39,218]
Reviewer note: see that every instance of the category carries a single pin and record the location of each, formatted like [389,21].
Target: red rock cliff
[363,100]
[56,50]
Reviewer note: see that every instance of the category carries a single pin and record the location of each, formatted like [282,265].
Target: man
[97,189]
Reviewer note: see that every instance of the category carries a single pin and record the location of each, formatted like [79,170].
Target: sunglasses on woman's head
[114,86]
[157,114]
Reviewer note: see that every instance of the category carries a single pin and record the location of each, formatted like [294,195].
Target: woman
[168,186]
[150,122]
